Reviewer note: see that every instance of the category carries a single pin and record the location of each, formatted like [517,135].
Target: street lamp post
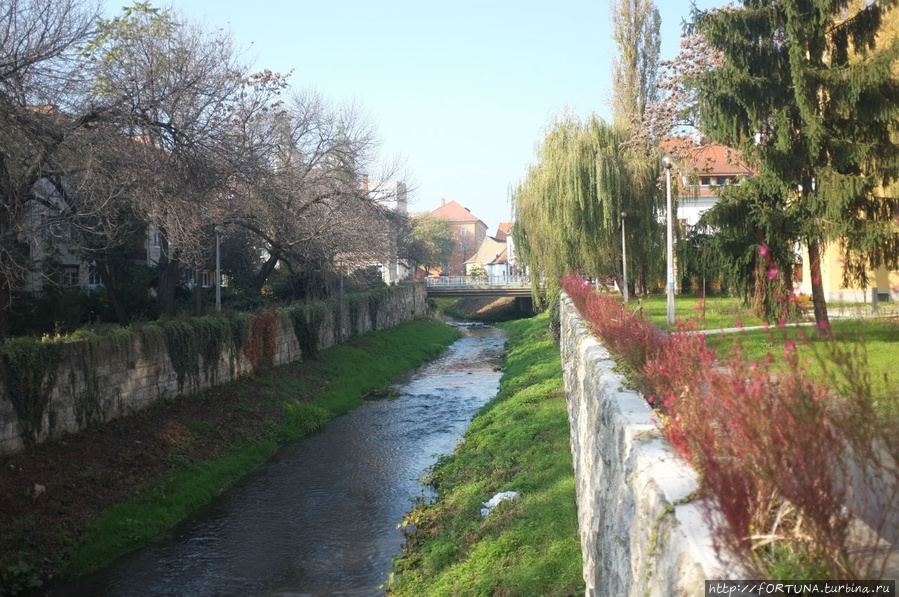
[667,163]
[623,260]
[218,269]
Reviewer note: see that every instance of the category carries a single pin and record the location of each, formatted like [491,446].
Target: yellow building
[885,281]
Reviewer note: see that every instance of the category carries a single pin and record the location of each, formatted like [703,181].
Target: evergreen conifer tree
[810,99]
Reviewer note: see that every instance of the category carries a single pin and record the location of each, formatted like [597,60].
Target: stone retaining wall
[642,532]
[113,378]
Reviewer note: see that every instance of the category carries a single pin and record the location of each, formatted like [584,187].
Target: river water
[320,519]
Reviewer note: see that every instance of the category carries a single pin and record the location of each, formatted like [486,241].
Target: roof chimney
[442,202]
[365,183]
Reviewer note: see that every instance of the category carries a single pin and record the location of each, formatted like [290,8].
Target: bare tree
[312,205]
[42,110]
[185,99]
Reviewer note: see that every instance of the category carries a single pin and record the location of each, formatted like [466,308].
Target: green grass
[347,372]
[875,340]
[721,311]
[519,442]
[864,348]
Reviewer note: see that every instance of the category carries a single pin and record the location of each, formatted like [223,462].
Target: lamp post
[623,260]
[667,163]
[218,269]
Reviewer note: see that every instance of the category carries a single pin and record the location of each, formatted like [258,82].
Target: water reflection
[321,518]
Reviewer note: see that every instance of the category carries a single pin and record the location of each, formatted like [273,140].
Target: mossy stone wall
[101,379]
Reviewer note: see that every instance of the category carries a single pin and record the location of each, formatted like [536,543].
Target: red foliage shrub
[261,340]
[775,451]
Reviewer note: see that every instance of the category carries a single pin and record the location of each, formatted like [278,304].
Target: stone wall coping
[641,532]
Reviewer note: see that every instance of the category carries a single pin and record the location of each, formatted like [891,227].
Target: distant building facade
[494,255]
[468,233]
[705,168]
[391,195]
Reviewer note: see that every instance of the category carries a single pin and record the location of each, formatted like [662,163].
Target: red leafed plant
[261,340]
[778,453]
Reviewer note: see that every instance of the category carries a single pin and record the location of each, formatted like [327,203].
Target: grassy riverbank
[518,442]
[74,505]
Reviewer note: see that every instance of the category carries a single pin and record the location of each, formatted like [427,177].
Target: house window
[70,275]
[705,181]
[204,278]
[463,232]
[93,278]
[722,180]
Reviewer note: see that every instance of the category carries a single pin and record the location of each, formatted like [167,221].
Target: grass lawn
[864,350]
[874,341]
[720,311]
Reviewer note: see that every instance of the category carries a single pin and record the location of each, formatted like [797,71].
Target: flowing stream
[320,519]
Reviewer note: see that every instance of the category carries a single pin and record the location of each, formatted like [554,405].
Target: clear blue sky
[461,90]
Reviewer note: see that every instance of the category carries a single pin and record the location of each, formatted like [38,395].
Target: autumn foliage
[780,455]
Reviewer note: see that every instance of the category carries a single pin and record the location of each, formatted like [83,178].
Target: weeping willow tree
[568,208]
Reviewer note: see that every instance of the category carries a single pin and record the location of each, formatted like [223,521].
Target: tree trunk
[787,271]
[267,268]
[120,314]
[818,301]
[5,306]
[168,278]
[198,295]
[758,298]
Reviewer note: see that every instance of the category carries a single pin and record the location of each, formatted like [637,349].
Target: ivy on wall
[28,369]
[183,348]
[261,340]
[239,323]
[354,306]
[97,348]
[213,332]
[307,320]
[375,299]
[195,343]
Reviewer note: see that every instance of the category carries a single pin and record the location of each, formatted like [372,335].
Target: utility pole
[667,163]
[623,260]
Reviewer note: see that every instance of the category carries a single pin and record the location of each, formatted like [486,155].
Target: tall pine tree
[809,97]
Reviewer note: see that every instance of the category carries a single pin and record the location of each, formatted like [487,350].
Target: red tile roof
[707,158]
[503,230]
[454,212]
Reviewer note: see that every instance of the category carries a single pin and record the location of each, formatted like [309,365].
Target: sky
[461,91]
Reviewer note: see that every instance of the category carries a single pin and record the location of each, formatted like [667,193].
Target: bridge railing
[497,280]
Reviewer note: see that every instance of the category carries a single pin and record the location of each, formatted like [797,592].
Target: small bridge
[493,287]
[479,286]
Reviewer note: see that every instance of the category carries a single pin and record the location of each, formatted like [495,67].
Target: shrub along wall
[51,388]
[641,525]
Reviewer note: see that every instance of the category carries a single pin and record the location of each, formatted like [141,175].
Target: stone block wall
[642,530]
[114,377]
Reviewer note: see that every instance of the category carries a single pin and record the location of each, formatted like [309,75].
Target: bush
[778,453]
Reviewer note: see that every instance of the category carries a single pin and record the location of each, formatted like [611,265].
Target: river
[321,517]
